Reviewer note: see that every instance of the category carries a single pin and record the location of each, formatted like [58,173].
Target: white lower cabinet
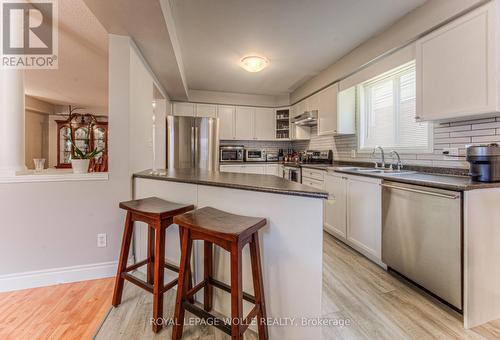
[232,168]
[272,169]
[336,205]
[353,212]
[255,169]
[260,169]
[314,178]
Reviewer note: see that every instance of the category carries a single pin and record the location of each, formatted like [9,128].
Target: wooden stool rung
[253,313]
[138,282]
[195,289]
[171,266]
[137,265]
[169,285]
[227,288]
[204,315]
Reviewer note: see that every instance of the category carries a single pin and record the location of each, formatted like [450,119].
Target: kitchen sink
[376,171]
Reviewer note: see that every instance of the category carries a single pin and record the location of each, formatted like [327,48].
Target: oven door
[292,174]
[295,175]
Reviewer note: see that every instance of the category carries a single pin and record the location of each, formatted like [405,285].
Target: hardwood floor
[66,311]
[377,305]
[380,306]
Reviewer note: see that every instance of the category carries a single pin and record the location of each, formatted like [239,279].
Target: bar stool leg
[236,292]
[122,263]
[208,273]
[182,285]
[159,265]
[150,255]
[258,286]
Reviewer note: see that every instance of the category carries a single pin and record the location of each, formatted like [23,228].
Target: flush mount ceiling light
[254,63]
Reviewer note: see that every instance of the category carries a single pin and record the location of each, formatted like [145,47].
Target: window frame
[362,107]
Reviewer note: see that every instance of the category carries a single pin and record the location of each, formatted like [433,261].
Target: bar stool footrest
[147,286]
[227,288]
[204,315]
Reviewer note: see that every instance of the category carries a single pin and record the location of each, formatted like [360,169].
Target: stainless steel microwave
[255,155]
[232,153]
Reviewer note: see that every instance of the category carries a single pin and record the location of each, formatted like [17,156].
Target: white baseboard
[54,276]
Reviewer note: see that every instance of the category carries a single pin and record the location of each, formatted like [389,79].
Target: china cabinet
[87,134]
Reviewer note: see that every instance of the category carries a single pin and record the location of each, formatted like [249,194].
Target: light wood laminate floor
[380,306]
[377,305]
[66,311]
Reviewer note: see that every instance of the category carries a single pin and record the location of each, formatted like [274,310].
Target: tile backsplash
[455,134]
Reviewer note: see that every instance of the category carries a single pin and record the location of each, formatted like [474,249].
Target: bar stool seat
[220,223]
[231,232]
[155,207]
[158,214]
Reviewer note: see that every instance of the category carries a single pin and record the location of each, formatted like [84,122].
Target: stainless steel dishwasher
[422,237]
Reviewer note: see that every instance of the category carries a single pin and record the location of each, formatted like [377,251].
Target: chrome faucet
[381,154]
[399,164]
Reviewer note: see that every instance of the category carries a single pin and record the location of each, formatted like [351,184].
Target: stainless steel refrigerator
[193,142]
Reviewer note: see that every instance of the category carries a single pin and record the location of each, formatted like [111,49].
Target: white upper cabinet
[226,122]
[264,124]
[327,110]
[244,123]
[312,103]
[183,109]
[206,110]
[346,112]
[457,67]
[299,108]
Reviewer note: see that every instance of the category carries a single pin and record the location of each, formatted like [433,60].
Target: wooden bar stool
[158,214]
[231,232]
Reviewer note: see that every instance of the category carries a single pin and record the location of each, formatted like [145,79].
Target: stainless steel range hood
[308,118]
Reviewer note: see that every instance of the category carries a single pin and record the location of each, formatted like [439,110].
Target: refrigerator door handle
[193,147]
[196,141]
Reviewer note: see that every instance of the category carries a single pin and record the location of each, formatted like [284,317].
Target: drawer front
[313,183]
[314,174]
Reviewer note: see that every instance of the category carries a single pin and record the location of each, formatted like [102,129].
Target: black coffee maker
[484,162]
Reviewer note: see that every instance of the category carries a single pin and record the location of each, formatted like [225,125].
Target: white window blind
[387,113]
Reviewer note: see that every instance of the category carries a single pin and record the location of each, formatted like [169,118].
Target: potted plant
[80,160]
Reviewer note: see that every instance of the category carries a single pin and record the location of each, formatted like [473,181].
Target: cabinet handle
[424,192]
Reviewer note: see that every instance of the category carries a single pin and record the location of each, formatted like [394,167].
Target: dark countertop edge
[321,195]
[454,187]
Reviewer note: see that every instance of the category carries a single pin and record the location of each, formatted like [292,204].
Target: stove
[292,170]
[317,157]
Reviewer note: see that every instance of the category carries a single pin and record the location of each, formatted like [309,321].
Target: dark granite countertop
[252,182]
[457,183]
[316,166]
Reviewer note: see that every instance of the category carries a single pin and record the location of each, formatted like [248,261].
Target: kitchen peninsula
[291,243]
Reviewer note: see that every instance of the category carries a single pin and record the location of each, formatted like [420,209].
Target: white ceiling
[82,77]
[300,38]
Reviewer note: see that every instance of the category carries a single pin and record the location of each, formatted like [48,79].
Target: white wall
[36,138]
[230,98]
[411,25]
[55,224]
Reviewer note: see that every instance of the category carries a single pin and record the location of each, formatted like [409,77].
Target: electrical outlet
[353,153]
[101,240]
[450,152]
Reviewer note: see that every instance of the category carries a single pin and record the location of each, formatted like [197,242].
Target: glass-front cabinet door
[64,156]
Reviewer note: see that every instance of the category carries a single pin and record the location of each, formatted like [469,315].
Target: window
[387,113]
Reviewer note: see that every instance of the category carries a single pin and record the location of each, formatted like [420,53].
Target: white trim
[53,176]
[361,115]
[54,276]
